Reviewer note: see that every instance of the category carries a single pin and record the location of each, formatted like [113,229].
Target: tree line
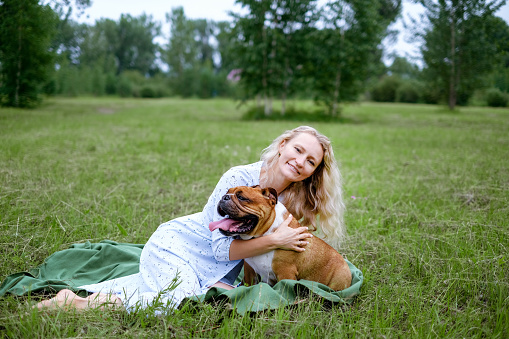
[273,49]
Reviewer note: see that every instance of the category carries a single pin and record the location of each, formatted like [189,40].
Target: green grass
[428,226]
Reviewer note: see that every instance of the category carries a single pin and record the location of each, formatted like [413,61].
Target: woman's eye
[297,149]
[311,162]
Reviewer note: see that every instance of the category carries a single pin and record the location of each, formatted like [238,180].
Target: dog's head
[249,211]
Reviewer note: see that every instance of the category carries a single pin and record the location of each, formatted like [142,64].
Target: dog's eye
[241,198]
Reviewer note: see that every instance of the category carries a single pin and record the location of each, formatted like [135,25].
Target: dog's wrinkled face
[249,210]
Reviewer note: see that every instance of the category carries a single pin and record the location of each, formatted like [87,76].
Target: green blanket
[89,263]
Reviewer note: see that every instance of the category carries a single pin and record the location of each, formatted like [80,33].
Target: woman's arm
[284,237]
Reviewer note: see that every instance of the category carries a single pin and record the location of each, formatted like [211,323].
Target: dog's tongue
[223,224]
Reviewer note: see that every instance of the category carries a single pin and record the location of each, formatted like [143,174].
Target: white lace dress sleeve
[236,176]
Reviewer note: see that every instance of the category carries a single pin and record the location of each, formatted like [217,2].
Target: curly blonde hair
[318,200]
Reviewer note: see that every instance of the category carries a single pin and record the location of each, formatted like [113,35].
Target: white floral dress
[184,246]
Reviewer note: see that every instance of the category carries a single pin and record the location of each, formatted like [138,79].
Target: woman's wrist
[241,249]
[272,242]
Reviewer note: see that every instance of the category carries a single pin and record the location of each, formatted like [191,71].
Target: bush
[162,91]
[110,85]
[496,98]
[124,87]
[69,80]
[409,92]
[148,92]
[385,89]
[97,82]
[430,95]
[292,114]
[463,97]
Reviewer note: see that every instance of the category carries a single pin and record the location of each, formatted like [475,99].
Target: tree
[253,49]
[270,46]
[135,48]
[225,46]
[192,55]
[500,74]
[458,48]
[284,45]
[353,30]
[99,45]
[64,8]
[128,44]
[68,33]
[26,30]
[182,50]
[203,34]
[403,68]
[291,23]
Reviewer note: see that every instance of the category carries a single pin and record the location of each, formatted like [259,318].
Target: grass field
[427,196]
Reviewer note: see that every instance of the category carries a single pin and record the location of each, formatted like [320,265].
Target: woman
[299,164]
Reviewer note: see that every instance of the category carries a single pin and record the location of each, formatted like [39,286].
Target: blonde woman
[299,164]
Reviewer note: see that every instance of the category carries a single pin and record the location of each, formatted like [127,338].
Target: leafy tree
[284,45]
[65,41]
[458,47]
[182,50]
[253,49]
[98,46]
[192,55]
[225,46]
[92,57]
[26,29]
[66,45]
[203,35]
[500,34]
[353,30]
[291,23]
[64,8]
[68,33]
[403,68]
[124,45]
[269,48]
[135,46]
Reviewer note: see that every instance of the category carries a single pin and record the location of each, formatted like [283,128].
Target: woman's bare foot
[103,301]
[62,299]
[67,299]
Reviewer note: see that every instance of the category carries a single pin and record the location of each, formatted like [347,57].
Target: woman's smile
[299,157]
[294,168]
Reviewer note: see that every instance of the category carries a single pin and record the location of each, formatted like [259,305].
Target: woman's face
[300,156]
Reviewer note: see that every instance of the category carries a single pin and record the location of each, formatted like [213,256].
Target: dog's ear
[270,193]
[255,186]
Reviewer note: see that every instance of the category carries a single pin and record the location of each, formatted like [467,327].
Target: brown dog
[254,212]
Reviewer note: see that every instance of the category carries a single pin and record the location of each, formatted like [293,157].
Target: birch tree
[458,46]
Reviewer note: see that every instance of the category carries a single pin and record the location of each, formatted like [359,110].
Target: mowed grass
[427,193]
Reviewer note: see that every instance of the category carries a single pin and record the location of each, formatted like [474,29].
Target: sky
[217,10]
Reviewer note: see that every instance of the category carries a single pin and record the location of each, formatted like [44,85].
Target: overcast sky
[218,10]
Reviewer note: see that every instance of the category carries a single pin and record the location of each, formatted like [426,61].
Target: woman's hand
[287,238]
